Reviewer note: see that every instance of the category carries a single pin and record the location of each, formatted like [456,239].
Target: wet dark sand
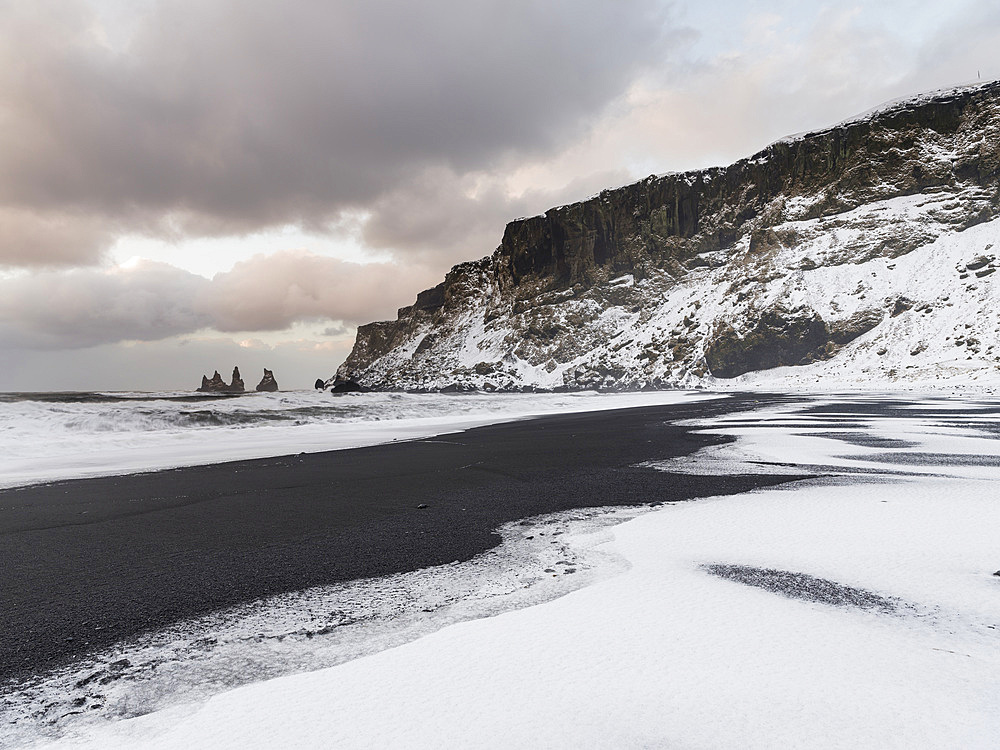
[89,562]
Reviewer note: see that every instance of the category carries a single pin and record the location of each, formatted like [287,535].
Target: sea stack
[237,385]
[267,383]
[217,385]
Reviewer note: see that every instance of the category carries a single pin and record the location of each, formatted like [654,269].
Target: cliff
[802,253]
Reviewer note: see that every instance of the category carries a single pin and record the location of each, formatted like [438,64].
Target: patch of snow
[626,280]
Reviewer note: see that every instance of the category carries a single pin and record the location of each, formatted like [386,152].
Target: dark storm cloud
[226,116]
[152,301]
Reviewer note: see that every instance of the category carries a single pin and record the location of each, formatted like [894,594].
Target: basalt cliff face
[864,252]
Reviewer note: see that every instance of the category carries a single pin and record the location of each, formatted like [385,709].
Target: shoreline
[90,562]
[45,444]
[539,560]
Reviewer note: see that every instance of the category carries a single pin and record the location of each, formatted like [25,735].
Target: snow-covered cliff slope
[865,253]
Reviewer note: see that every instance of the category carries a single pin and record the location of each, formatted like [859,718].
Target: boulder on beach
[267,383]
[320,384]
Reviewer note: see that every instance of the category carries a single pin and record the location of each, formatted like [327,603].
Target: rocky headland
[863,252]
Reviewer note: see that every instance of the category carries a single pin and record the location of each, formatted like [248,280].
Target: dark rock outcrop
[347,386]
[780,337]
[267,383]
[217,385]
[844,331]
[900,305]
[320,385]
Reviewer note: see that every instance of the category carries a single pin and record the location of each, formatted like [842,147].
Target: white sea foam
[45,437]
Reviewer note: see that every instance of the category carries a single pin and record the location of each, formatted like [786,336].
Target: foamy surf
[48,437]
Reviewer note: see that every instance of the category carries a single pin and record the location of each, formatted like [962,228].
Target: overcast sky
[185,186]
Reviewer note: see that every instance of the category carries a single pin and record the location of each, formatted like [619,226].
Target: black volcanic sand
[86,563]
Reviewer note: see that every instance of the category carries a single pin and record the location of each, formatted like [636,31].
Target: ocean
[52,436]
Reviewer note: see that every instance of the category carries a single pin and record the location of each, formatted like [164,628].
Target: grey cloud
[269,293]
[153,301]
[84,308]
[51,238]
[809,72]
[230,115]
[963,49]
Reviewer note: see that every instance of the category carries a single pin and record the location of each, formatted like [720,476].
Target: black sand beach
[89,562]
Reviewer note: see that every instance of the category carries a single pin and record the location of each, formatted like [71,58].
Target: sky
[189,186]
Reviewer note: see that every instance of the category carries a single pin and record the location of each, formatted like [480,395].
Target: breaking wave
[51,436]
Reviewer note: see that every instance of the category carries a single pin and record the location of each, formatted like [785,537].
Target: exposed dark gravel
[803,586]
[913,458]
[863,439]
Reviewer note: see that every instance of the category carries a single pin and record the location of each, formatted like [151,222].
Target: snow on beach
[854,610]
[180,666]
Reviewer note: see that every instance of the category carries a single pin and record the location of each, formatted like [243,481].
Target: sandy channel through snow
[858,609]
